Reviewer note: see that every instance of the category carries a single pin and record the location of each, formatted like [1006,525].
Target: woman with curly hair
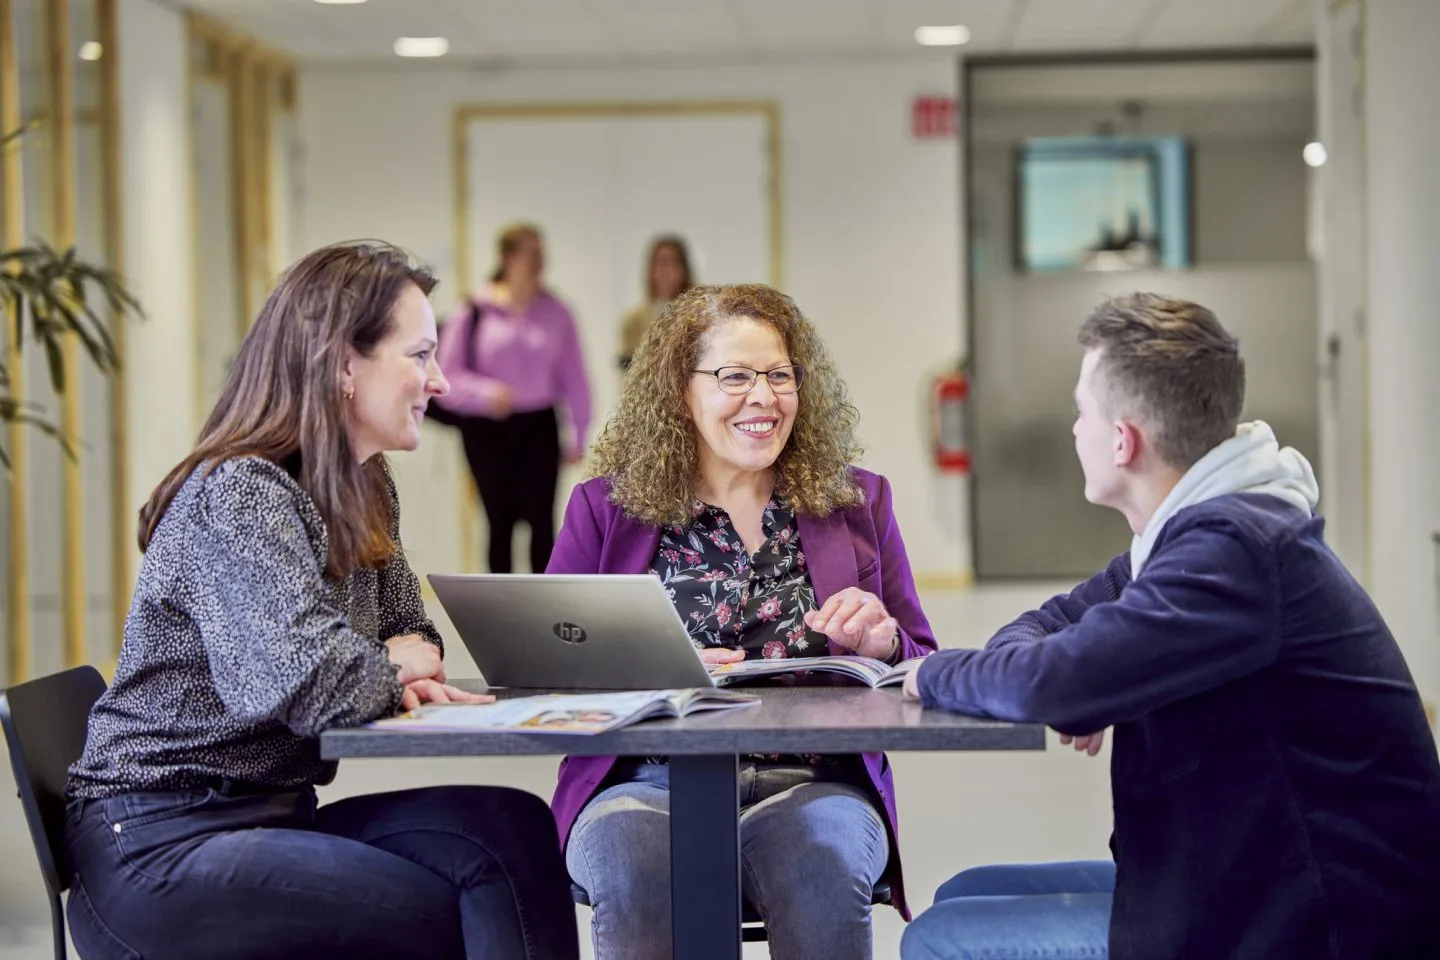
[727,471]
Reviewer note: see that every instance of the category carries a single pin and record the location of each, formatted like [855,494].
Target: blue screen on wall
[1103,203]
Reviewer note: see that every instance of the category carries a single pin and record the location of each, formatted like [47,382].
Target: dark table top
[787,720]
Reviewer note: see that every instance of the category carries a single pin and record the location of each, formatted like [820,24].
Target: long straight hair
[674,242]
[507,244]
[282,398]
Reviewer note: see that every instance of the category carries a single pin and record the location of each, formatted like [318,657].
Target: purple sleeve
[470,392]
[577,546]
[574,385]
[1203,615]
[897,584]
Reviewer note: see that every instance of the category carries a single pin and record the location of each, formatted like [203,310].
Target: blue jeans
[812,846]
[442,872]
[1043,911]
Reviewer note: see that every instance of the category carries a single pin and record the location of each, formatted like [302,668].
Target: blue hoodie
[1276,785]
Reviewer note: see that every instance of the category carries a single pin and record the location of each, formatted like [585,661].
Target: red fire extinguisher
[952,449]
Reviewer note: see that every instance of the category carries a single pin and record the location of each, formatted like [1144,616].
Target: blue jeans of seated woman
[1042,911]
[445,872]
[812,847]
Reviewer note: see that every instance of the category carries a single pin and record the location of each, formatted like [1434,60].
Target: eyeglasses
[741,380]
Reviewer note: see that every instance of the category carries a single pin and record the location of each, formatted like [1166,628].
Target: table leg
[705,857]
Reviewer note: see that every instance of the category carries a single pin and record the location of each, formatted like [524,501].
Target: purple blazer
[854,547]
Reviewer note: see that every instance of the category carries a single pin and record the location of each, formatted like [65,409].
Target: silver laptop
[571,631]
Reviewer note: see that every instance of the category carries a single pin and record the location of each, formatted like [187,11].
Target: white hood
[1249,462]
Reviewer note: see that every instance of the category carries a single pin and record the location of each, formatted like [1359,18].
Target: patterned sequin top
[239,650]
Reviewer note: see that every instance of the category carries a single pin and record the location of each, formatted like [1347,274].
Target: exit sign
[933,117]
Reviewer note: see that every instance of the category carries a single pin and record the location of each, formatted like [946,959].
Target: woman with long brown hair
[511,366]
[667,275]
[273,603]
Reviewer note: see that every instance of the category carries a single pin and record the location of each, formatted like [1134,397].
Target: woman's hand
[711,656]
[433,691]
[858,621]
[502,402]
[417,658]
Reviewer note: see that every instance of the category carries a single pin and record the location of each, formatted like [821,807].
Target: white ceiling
[520,31]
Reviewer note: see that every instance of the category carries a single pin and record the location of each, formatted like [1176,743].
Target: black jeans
[440,872]
[516,466]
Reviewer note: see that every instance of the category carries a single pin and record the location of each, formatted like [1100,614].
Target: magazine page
[695,701]
[896,675]
[549,713]
[864,669]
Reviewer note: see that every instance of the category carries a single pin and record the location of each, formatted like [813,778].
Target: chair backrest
[45,722]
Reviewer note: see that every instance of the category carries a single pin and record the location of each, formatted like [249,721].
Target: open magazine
[873,673]
[565,713]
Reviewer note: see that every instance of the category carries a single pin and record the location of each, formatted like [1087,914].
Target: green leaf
[50,295]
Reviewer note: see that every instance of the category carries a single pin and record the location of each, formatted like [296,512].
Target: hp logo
[569,632]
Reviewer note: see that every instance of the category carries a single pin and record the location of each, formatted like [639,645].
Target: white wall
[871,239]
[1339,243]
[155,191]
[1402,137]
[1379,240]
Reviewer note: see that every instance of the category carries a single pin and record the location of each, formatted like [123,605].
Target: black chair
[752,928]
[45,722]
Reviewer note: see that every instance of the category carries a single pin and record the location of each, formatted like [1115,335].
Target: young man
[1276,785]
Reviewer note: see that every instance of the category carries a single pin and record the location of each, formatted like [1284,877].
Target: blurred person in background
[512,355]
[667,275]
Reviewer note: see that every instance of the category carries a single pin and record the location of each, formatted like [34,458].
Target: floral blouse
[728,598]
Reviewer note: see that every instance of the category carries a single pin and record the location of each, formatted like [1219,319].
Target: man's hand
[417,658]
[433,691]
[858,621]
[1090,743]
[911,688]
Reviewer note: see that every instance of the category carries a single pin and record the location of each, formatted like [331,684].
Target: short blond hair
[1171,364]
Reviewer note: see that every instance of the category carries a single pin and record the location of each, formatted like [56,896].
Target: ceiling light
[421,46]
[942,36]
[91,50]
[1314,153]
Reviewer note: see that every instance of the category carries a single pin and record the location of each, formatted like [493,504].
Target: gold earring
[349,393]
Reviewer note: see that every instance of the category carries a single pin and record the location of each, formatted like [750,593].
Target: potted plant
[50,294]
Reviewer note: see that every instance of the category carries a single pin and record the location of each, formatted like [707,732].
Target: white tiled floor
[956,810]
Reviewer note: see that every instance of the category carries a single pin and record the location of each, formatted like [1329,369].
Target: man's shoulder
[1261,522]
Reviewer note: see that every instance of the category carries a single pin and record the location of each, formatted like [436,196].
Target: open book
[565,713]
[873,673]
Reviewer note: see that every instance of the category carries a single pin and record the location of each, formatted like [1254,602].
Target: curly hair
[648,448]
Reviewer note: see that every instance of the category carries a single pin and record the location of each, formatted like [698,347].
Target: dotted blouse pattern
[238,649]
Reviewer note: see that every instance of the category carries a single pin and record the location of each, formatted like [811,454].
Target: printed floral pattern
[728,598]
